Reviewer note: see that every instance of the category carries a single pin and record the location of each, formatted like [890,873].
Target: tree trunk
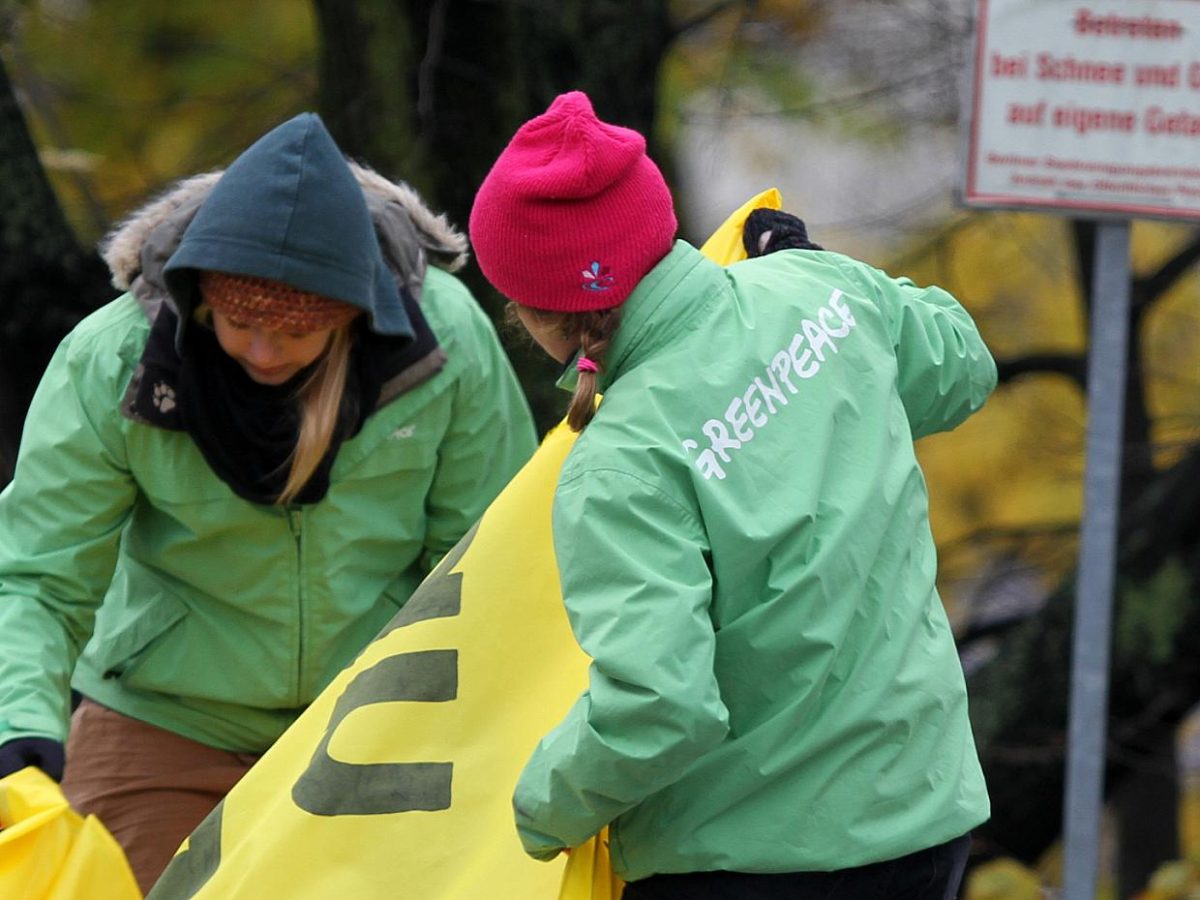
[47,281]
[430,93]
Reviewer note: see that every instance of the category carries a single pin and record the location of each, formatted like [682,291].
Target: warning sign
[1091,107]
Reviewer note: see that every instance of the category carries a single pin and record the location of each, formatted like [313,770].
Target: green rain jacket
[743,539]
[208,615]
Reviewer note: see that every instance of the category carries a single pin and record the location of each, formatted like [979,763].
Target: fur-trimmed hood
[409,233]
[288,208]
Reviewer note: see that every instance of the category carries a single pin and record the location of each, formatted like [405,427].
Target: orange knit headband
[272,304]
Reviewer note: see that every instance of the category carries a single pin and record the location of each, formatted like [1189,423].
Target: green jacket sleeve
[945,370]
[491,436]
[60,523]
[637,589]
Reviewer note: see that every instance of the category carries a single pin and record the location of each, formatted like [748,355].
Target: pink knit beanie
[573,213]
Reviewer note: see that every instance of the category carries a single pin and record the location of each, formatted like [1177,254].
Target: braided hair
[594,331]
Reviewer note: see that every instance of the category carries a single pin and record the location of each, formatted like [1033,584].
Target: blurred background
[852,110]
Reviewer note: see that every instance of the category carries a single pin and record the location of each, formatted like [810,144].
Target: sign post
[1107,354]
[1089,108]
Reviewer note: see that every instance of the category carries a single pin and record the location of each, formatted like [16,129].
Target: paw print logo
[597,278]
[164,397]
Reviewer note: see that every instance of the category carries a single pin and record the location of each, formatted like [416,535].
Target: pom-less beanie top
[573,213]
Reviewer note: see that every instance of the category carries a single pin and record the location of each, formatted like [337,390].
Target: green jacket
[743,539]
[209,615]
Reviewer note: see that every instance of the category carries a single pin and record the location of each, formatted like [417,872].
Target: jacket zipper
[295,519]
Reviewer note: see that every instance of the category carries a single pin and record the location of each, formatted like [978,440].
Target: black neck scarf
[247,431]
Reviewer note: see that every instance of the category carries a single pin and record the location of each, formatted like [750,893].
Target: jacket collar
[669,301]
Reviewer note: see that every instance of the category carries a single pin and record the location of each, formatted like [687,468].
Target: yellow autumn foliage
[1003,879]
[1018,465]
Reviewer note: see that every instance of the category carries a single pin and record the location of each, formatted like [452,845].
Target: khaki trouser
[148,786]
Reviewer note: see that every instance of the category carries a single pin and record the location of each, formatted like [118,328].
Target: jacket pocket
[135,628]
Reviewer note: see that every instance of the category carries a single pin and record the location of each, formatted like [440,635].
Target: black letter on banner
[329,787]
[439,595]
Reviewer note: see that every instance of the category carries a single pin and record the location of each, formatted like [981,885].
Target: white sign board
[1086,105]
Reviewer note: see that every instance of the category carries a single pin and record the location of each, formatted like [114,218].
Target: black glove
[767,230]
[46,754]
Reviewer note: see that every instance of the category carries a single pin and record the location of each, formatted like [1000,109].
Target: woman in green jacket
[775,705]
[233,475]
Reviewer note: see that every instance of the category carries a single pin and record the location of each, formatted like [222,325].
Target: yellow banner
[725,244]
[50,852]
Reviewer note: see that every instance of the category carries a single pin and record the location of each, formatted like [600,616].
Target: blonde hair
[591,332]
[320,398]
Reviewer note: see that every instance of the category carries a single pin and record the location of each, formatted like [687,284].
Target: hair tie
[586,365]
